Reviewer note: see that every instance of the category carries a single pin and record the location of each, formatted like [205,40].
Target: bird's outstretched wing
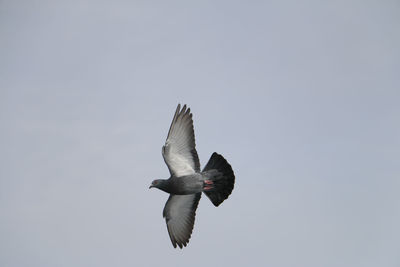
[179,151]
[179,213]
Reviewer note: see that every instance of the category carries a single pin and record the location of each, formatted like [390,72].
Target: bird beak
[151,186]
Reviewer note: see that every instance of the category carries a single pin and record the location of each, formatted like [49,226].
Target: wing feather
[179,213]
[179,151]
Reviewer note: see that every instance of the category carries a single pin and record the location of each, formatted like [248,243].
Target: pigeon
[187,182]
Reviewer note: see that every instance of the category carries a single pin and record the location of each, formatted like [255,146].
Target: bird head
[155,183]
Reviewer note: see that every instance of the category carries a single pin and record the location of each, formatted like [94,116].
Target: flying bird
[187,182]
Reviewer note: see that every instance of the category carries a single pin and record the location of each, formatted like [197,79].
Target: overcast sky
[301,97]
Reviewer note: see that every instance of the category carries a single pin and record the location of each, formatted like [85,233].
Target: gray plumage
[187,182]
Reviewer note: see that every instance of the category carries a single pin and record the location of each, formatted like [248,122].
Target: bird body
[182,185]
[187,183]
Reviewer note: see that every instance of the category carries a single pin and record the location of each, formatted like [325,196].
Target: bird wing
[179,151]
[179,213]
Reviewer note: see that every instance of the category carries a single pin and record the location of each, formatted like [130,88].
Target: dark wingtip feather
[183,109]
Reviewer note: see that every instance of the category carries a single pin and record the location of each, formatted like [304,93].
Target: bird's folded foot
[208,185]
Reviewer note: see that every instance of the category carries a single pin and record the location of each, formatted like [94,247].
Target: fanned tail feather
[220,178]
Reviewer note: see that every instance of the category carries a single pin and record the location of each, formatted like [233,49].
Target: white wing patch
[177,162]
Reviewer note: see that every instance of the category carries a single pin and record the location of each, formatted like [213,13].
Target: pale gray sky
[302,98]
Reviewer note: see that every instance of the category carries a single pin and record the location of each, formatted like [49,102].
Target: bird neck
[163,185]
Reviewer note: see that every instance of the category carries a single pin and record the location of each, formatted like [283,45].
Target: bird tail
[219,179]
